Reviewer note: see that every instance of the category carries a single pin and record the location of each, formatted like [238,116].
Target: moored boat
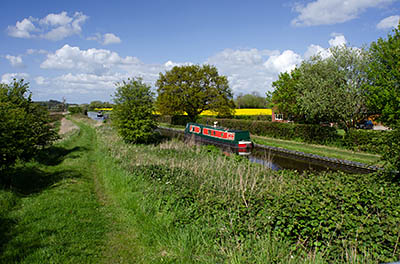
[237,141]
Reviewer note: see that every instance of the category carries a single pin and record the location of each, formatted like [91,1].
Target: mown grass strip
[326,151]
[56,216]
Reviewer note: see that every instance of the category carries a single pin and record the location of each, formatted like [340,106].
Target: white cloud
[33,51]
[8,77]
[106,39]
[66,26]
[52,27]
[40,80]
[94,71]
[337,40]
[170,64]
[388,22]
[315,50]
[22,29]
[60,19]
[16,61]
[110,38]
[329,12]
[90,81]
[96,61]
[284,62]
[245,69]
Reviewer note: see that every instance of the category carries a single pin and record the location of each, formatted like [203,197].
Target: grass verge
[52,213]
[326,151]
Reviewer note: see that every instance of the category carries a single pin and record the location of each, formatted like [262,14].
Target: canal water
[278,162]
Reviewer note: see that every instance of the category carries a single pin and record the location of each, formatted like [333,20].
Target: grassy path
[57,214]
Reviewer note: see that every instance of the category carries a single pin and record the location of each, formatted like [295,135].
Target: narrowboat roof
[217,127]
[237,134]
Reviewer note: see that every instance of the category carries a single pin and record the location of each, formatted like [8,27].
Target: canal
[278,158]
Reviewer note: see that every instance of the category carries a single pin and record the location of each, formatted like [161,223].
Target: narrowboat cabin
[237,141]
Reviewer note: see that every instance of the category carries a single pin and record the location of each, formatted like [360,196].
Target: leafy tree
[99,104]
[193,89]
[334,89]
[329,89]
[286,94]
[24,125]
[384,75]
[133,111]
[75,109]
[253,100]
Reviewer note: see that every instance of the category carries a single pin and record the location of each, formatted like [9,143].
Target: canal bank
[279,158]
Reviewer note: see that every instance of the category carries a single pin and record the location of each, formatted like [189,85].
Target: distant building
[278,117]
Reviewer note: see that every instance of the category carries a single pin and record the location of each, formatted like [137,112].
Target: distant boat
[237,141]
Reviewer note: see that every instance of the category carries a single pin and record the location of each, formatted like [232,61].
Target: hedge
[373,141]
[173,120]
[308,133]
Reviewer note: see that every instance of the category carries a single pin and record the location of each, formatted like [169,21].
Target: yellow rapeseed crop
[103,109]
[237,112]
[243,111]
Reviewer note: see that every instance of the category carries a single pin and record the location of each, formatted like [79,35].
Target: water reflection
[265,162]
[275,161]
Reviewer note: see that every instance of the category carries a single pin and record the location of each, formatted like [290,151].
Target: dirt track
[67,126]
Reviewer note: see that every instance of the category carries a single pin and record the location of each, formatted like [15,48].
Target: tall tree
[133,111]
[193,89]
[334,89]
[253,100]
[286,95]
[384,76]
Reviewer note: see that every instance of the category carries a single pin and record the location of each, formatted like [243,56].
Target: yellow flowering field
[243,111]
[238,112]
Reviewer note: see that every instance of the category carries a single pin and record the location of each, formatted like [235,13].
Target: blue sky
[80,49]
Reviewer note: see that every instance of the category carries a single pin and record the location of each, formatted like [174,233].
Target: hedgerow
[373,141]
[304,132]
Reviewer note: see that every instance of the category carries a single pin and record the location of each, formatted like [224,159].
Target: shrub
[133,111]
[24,126]
[75,110]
